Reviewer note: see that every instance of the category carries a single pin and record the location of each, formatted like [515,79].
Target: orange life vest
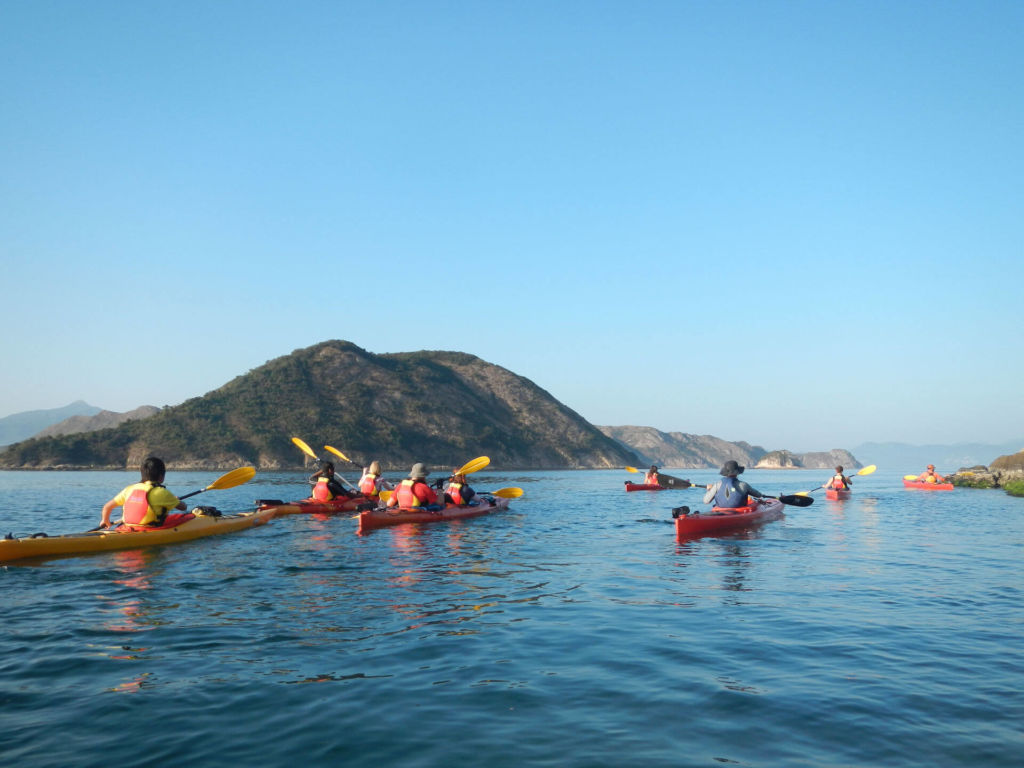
[838,483]
[137,510]
[455,491]
[407,498]
[320,491]
[368,486]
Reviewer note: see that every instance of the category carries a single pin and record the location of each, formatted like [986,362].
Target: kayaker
[651,478]
[458,492]
[729,492]
[371,483]
[930,476]
[413,492]
[326,486]
[838,481]
[147,502]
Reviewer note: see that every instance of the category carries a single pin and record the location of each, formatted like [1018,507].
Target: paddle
[309,452]
[868,470]
[794,501]
[472,466]
[229,480]
[505,493]
[910,477]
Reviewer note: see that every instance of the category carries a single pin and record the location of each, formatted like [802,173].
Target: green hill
[442,408]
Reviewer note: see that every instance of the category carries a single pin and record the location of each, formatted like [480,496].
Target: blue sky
[793,223]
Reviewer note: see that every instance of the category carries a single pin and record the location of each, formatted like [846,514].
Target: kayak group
[736,503]
[151,514]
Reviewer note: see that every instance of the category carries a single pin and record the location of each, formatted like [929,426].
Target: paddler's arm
[108,508]
[712,490]
[747,488]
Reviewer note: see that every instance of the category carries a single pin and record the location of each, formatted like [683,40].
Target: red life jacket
[455,491]
[406,495]
[320,491]
[838,483]
[137,510]
[368,486]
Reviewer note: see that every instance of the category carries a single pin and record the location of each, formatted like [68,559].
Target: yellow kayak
[111,539]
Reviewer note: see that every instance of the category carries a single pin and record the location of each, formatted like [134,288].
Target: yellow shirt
[160,500]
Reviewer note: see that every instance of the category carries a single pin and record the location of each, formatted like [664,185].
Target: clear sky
[794,223]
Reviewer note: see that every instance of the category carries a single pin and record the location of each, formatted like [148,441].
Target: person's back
[730,492]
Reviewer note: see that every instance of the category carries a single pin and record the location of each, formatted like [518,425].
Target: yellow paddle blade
[506,493]
[338,453]
[305,448]
[385,495]
[868,470]
[472,466]
[910,477]
[632,469]
[232,478]
[802,493]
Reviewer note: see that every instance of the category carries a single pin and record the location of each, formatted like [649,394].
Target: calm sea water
[572,630]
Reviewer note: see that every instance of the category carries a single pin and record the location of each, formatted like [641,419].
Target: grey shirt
[741,485]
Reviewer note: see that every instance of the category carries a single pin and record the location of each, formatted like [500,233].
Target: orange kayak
[921,485]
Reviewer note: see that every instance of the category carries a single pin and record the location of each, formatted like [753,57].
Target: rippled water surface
[571,630]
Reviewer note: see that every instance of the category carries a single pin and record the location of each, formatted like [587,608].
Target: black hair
[153,470]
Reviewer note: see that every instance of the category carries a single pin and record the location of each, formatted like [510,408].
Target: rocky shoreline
[1006,472]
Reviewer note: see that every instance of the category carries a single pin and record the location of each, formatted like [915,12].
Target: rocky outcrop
[1004,471]
[818,460]
[102,420]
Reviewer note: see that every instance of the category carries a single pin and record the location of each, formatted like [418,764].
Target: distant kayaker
[371,483]
[729,492]
[930,476]
[458,492]
[147,503]
[326,485]
[838,481]
[413,492]
[651,478]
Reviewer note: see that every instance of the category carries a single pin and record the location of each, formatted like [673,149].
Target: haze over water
[573,630]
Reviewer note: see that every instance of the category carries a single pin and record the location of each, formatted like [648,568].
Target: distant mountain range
[21,426]
[102,420]
[442,408]
[946,458]
[685,451]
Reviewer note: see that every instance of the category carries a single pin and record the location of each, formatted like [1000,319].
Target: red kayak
[381,518]
[719,519]
[644,487]
[312,506]
[927,486]
[837,494]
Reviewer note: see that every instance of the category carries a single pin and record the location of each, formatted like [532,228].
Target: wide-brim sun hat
[731,469]
[418,470]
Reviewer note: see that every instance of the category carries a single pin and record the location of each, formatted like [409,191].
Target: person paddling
[326,486]
[147,502]
[729,492]
[838,481]
[651,478]
[458,492]
[930,476]
[413,492]
[371,483]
